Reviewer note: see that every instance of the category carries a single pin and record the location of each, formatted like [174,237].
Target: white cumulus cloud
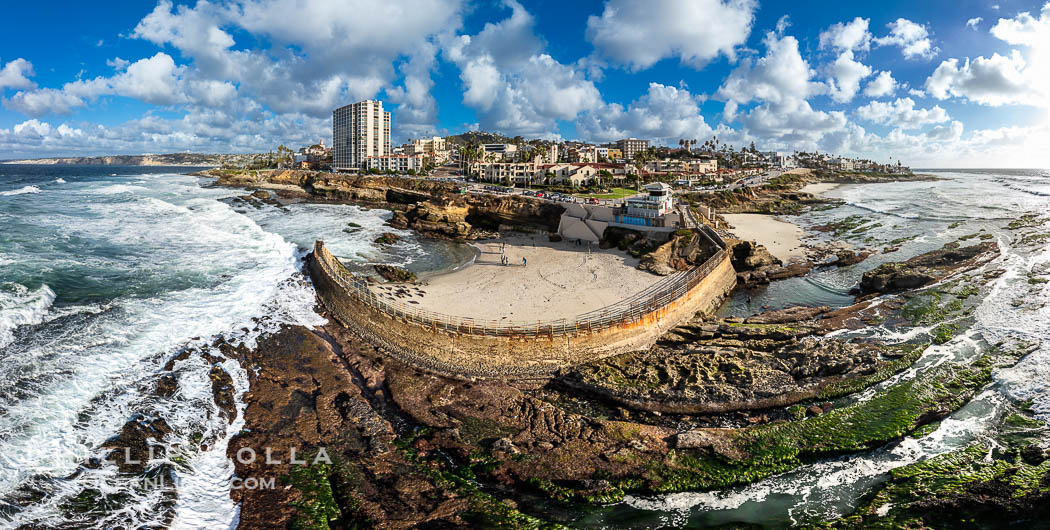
[664,114]
[638,34]
[780,81]
[16,73]
[846,76]
[913,39]
[515,87]
[901,113]
[1010,79]
[996,80]
[852,35]
[883,85]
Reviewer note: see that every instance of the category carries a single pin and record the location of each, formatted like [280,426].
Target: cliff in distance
[171,159]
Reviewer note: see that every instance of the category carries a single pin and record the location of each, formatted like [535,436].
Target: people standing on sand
[523,262]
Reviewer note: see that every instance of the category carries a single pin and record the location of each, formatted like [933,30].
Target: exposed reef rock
[713,367]
[926,268]
[395,274]
[756,266]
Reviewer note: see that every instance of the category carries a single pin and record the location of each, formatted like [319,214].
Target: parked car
[592,200]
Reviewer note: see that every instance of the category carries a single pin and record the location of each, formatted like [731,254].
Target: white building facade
[359,131]
[395,163]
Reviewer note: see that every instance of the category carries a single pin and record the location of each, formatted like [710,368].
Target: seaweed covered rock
[925,268]
[387,238]
[395,274]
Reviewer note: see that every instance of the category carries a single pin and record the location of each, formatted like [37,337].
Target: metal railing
[624,312]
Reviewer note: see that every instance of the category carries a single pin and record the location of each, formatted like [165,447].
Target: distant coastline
[171,159]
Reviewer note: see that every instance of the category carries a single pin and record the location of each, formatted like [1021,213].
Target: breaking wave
[20,306]
[20,191]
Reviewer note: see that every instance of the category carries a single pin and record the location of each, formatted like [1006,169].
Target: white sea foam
[78,388]
[60,180]
[114,189]
[20,306]
[20,191]
[826,489]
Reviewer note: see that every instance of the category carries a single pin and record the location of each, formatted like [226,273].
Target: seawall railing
[622,313]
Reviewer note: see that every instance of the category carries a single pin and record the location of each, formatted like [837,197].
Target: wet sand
[783,239]
[819,188]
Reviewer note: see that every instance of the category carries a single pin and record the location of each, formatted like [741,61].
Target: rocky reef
[715,403]
[927,268]
[756,266]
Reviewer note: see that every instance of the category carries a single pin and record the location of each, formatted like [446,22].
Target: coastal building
[359,131]
[435,148]
[645,209]
[678,165]
[581,154]
[548,154]
[842,164]
[509,173]
[500,151]
[396,163]
[631,146]
[524,173]
[653,213]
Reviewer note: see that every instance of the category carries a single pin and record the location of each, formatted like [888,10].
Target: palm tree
[640,158]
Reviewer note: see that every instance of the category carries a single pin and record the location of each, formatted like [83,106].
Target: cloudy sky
[953,83]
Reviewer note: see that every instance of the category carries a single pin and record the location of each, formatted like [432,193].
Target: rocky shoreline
[410,448]
[705,408]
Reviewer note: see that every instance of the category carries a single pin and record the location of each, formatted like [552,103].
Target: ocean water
[105,274]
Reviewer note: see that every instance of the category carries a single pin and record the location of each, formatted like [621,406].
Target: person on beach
[523,262]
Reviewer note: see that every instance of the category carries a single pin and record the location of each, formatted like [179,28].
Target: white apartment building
[509,173]
[359,131]
[696,165]
[843,164]
[503,151]
[395,163]
[434,148]
[426,145]
[630,146]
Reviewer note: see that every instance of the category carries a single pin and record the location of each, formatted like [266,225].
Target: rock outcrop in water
[926,268]
[756,266]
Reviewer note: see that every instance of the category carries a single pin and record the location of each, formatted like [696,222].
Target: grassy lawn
[614,193]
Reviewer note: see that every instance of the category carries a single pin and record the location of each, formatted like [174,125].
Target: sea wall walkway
[473,348]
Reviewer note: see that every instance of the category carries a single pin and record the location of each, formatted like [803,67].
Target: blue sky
[936,83]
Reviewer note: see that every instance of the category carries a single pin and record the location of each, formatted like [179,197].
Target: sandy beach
[819,188]
[560,280]
[783,239]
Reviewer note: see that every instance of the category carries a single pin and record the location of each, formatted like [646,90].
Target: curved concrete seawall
[457,347]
